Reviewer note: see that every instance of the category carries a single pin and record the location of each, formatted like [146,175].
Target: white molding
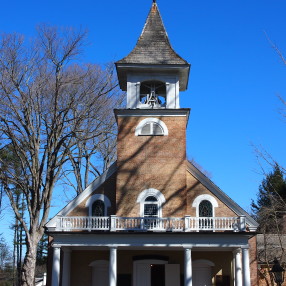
[96,197]
[151,192]
[222,241]
[205,197]
[143,122]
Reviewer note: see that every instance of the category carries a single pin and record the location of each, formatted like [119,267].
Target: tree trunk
[29,265]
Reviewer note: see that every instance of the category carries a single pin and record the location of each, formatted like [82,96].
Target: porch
[140,224]
[125,259]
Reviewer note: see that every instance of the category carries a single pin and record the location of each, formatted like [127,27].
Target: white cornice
[160,112]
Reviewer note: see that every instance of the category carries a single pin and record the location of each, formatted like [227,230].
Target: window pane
[151,199]
[146,129]
[151,210]
[97,208]
[205,209]
[157,129]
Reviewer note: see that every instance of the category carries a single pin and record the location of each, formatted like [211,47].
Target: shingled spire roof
[153,46]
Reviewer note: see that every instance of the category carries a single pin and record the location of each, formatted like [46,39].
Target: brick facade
[157,162]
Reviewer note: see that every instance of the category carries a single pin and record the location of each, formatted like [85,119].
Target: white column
[113,266]
[56,267]
[245,267]
[237,267]
[66,267]
[188,267]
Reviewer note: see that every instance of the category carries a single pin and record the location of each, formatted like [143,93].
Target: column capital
[237,250]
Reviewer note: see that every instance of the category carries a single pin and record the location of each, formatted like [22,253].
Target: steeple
[153,45]
[153,73]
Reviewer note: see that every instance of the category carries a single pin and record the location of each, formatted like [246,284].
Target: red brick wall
[194,189]
[253,261]
[157,162]
[107,189]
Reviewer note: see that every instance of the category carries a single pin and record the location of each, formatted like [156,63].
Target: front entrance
[154,272]
[145,272]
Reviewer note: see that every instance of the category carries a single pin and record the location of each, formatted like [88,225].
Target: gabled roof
[204,180]
[85,194]
[153,46]
[190,168]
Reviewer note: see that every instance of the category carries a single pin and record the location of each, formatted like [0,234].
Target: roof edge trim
[88,191]
[221,195]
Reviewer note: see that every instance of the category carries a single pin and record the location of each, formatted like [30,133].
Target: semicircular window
[205,209]
[97,208]
[152,128]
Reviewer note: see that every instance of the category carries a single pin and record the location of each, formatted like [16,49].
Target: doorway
[147,272]
[202,272]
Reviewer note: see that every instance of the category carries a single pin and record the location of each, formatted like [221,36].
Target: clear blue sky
[235,76]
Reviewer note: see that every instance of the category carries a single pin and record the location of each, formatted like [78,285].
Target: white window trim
[199,199]
[96,197]
[151,192]
[149,120]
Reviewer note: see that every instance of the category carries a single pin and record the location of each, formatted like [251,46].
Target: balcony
[143,224]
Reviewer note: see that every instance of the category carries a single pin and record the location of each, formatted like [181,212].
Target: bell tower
[151,145]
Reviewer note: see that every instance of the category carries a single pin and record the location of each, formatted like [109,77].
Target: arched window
[205,205]
[151,207]
[151,202]
[98,205]
[98,208]
[151,126]
[205,209]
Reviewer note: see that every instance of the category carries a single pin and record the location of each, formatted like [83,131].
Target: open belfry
[152,218]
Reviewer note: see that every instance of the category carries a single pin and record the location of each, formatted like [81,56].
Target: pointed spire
[153,46]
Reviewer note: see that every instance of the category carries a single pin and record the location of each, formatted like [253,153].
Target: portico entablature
[150,240]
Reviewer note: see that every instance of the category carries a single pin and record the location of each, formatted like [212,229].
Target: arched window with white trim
[151,202]
[151,126]
[98,205]
[205,205]
[205,211]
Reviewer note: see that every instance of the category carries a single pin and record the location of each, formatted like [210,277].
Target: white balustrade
[174,224]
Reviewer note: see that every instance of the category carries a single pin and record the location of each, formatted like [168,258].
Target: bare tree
[50,104]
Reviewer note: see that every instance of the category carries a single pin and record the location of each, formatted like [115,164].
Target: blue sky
[235,75]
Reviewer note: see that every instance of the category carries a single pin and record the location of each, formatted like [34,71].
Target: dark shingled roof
[153,46]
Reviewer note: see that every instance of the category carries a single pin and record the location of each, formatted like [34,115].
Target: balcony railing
[174,224]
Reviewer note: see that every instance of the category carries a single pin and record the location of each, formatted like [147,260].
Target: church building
[152,218]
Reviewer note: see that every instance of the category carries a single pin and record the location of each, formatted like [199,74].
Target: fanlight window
[205,209]
[153,94]
[97,208]
[151,207]
[152,128]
